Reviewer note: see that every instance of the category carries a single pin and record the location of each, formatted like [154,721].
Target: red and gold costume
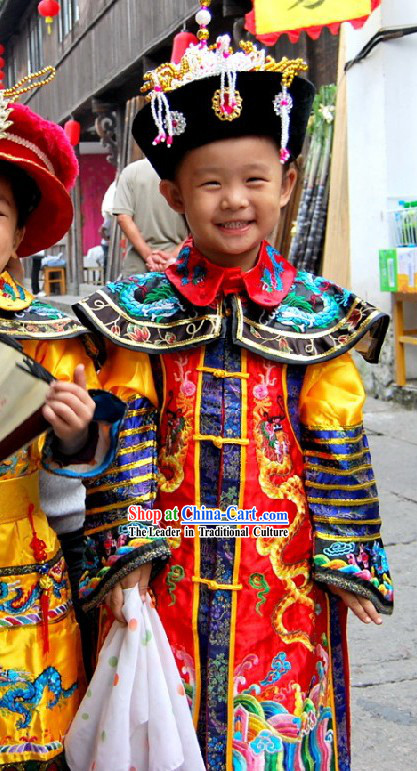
[243,387]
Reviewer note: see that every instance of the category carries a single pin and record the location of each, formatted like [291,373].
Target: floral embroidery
[201,281]
[44,311]
[272,442]
[18,464]
[365,562]
[187,671]
[179,426]
[135,332]
[40,321]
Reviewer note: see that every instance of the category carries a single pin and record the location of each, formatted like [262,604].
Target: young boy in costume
[40,663]
[244,365]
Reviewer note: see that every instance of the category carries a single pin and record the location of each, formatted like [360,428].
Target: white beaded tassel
[161,114]
[282,107]
[227,75]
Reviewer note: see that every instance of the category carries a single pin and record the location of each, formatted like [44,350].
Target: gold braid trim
[170,76]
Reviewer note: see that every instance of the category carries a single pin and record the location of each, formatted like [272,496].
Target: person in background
[34,276]
[155,231]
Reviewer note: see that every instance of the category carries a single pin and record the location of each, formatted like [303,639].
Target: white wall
[382,141]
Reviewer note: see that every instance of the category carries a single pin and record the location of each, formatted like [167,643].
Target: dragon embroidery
[279,483]
[14,599]
[21,694]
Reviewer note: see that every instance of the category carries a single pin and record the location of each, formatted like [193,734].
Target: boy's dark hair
[25,190]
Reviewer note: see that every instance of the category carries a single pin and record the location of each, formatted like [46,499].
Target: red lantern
[49,9]
[73,131]
[2,75]
[2,61]
[2,49]
[181,42]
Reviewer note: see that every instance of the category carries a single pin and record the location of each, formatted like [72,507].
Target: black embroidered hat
[214,93]
[189,114]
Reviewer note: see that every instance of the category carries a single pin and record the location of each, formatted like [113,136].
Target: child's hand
[139,577]
[159,260]
[69,409]
[362,608]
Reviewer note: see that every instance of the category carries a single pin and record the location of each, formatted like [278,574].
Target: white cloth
[135,714]
[53,261]
[94,257]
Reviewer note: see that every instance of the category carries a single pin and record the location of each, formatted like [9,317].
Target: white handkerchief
[135,715]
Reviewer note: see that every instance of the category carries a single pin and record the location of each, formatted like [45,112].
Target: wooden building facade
[101,49]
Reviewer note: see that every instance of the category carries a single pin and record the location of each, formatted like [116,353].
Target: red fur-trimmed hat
[42,150]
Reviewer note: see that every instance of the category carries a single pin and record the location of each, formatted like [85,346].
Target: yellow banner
[281,15]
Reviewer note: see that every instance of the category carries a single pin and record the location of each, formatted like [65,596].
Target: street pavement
[384,659]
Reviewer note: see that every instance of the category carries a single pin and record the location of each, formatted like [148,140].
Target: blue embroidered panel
[220,480]
[295,379]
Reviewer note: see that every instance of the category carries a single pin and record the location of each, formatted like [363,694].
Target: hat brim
[202,126]
[52,218]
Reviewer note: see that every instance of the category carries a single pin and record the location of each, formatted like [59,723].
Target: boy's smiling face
[231,193]
[10,235]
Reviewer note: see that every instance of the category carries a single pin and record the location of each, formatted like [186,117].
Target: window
[35,44]
[69,15]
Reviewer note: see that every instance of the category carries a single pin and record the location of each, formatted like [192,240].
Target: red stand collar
[202,282]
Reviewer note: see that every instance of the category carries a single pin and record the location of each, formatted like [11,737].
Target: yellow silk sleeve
[60,358]
[128,374]
[332,394]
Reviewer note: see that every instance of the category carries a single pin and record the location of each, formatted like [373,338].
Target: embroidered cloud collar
[202,282]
